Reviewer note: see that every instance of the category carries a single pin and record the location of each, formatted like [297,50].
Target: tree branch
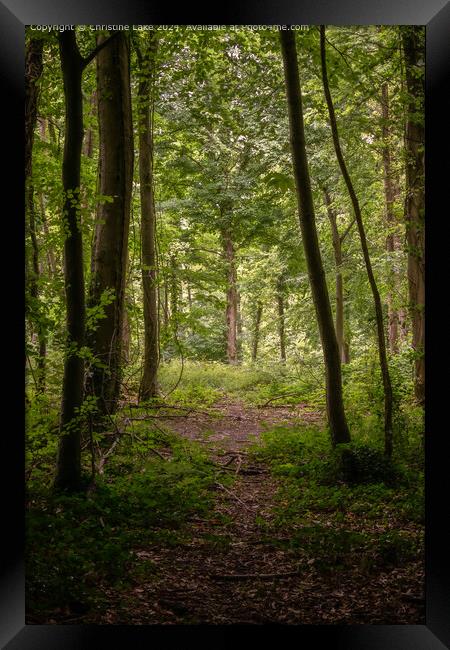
[87,59]
[349,227]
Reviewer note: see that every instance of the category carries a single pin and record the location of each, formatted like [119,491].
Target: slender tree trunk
[238,325]
[258,315]
[335,407]
[166,304]
[362,235]
[174,293]
[414,53]
[337,248]
[391,239]
[68,473]
[33,72]
[110,255]
[148,387]
[281,289]
[126,336]
[231,298]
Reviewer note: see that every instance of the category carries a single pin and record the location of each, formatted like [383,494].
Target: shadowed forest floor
[238,566]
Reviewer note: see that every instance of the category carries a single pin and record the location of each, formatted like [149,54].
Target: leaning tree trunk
[337,248]
[110,254]
[148,387]
[414,52]
[335,407]
[33,72]
[362,235]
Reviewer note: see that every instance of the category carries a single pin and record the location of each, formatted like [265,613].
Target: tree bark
[281,288]
[414,53]
[362,235]
[258,315]
[148,387]
[110,254]
[337,248]
[335,407]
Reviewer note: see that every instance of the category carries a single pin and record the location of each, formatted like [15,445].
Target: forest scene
[224,355]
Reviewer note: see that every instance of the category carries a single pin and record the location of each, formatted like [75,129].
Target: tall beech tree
[68,470]
[335,408]
[110,252]
[146,59]
[362,235]
[413,39]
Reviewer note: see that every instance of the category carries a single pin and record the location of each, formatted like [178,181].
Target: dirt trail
[229,573]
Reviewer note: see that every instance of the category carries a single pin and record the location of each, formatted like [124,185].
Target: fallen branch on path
[222,487]
[272,399]
[252,576]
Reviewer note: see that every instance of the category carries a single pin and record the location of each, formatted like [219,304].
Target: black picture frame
[435,14]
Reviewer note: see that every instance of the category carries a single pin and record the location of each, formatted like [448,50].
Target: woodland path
[232,571]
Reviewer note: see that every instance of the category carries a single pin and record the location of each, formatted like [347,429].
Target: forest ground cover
[223,504]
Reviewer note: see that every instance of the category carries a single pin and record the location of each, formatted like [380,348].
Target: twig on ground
[252,576]
[272,399]
[222,487]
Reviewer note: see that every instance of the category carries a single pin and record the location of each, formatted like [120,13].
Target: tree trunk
[239,325]
[259,310]
[110,254]
[173,293]
[414,52]
[33,72]
[148,387]
[68,473]
[281,321]
[166,304]
[335,407]
[337,248]
[231,298]
[391,239]
[362,235]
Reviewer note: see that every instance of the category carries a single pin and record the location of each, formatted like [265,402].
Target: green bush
[358,463]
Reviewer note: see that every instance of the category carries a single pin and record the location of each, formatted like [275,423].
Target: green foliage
[356,463]
[90,540]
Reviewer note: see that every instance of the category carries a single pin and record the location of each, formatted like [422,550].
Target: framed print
[227,422]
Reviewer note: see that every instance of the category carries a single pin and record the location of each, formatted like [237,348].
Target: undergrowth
[338,510]
[78,544]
